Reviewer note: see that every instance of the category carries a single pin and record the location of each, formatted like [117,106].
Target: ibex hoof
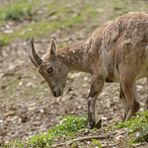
[98,124]
[91,125]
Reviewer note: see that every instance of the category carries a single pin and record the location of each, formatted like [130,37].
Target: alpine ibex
[115,52]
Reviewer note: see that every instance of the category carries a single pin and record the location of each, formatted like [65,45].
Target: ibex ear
[53,47]
[88,43]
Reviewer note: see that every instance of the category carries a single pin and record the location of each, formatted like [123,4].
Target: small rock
[10,113]
[119,137]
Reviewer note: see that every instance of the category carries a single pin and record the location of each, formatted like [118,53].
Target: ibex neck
[73,56]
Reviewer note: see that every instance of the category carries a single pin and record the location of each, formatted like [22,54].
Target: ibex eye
[49,70]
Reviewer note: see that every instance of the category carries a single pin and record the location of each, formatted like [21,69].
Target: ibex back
[115,52]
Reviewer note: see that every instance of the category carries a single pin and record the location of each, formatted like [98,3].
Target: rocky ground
[27,106]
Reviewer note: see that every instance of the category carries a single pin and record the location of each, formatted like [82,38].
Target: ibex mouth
[57,92]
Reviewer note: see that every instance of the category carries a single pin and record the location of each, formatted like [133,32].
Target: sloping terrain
[27,106]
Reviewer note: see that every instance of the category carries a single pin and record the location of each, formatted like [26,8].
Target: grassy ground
[41,17]
[71,128]
[26,103]
[51,20]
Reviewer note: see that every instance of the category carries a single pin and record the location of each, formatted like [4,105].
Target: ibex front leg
[146,103]
[96,88]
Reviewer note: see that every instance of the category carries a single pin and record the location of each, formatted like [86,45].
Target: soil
[27,106]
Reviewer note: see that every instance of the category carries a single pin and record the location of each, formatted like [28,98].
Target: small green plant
[4,39]
[137,127]
[69,125]
[96,143]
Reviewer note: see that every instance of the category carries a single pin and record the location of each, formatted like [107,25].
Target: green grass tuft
[16,11]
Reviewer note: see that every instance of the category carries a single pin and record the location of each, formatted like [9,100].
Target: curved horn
[37,59]
[33,61]
[31,58]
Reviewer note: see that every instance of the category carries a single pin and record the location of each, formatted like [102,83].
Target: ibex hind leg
[146,103]
[129,89]
[124,102]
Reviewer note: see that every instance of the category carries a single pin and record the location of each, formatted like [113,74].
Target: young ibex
[115,52]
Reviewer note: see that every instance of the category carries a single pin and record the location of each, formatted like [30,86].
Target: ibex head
[51,68]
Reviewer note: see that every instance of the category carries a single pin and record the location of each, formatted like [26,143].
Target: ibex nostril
[54,93]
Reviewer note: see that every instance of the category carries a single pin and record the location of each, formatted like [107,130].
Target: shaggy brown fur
[116,51]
